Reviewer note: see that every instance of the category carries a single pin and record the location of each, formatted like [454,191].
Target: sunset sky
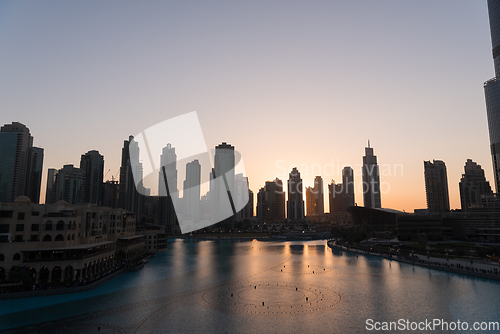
[288,83]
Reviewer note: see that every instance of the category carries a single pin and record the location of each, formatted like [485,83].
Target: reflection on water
[232,286]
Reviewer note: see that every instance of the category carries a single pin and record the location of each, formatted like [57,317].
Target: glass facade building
[436,186]
[92,164]
[8,145]
[21,164]
[69,185]
[492,91]
[35,177]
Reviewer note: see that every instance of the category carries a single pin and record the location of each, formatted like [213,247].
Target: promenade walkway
[469,267]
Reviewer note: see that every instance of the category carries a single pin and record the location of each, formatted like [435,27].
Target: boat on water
[136,265]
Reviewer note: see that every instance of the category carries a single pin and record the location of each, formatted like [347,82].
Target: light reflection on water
[188,289]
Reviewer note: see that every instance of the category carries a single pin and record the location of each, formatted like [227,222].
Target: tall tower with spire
[371,179]
[492,91]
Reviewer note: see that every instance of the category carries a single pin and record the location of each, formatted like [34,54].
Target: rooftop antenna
[368,143]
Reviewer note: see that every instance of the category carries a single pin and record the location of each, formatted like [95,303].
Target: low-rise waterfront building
[155,238]
[63,242]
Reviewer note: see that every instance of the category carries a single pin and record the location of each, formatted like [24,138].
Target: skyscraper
[191,189]
[348,188]
[371,180]
[92,164]
[166,211]
[436,186]
[335,197]
[50,190]
[315,198]
[319,195]
[69,185]
[341,196]
[241,186]
[295,203]
[310,202]
[473,185]
[18,174]
[492,91]
[224,162]
[271,201]
[250,205]
[128,196]
[168,159]
[35,174]
[110,194]
[261,204]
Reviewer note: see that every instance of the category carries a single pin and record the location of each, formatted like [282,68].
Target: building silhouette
[315,198]
[473,186]
[249,207]
[295,203]
[128,197]
[242,186]
[492,91]
[21,164]
[222,182]
[310,202]
[436,186]
[335,197]
[92,164]
[69,185]
[271,201]
[35,174]
[192,189]
[224,162]
[261,204]
[110,194]
[50,189]
[168,160]
[371,180]
[319,195]
[348,187]
[341,196]
[166,211]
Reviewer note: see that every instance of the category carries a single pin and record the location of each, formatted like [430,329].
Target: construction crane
[114,177]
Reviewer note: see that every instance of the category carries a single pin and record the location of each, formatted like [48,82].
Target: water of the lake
[260,287]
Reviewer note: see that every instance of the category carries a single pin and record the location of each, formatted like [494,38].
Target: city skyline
[405,79]
[249,167]
[169,159]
